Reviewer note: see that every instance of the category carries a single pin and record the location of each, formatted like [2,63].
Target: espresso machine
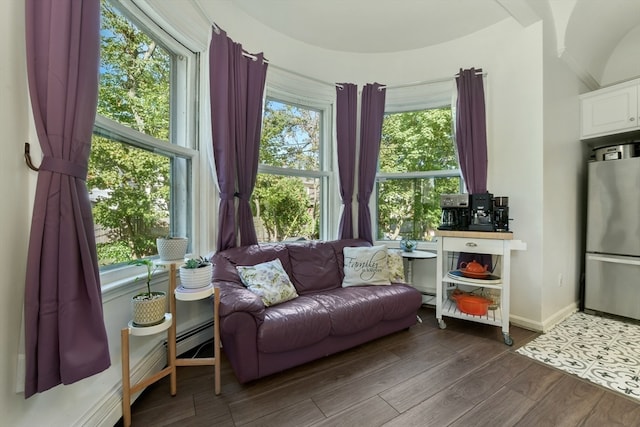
[481,212]
[501,213]
[455,212]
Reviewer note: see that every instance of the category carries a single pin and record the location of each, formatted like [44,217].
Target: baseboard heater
[193,337]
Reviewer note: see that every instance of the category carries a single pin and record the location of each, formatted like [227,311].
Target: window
[417,163]
[140,165]
[289,196]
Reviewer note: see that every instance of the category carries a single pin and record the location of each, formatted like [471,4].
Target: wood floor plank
[441,409]
[567,403]
[484,381]
[355,391]
[614,410]
[178,409]
[372,412]
[536,380]
[301,414]
[504,408]
[264,401]
[419,387]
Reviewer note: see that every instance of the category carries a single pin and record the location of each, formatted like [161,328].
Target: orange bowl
[472,304]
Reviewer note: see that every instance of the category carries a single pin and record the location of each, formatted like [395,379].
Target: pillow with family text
[365,266]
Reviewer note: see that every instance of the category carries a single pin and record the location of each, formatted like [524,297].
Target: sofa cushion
[269,281]
[398,300]
[256,254]
[351,309]
[365,266]
[293,324]
[396,266]
[314,267]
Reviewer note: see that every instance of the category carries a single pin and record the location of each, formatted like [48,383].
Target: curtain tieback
[63,166]
[364,197]
[229,196]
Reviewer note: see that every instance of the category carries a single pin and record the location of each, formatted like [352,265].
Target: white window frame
[325,174]
[183,139]
[382,176]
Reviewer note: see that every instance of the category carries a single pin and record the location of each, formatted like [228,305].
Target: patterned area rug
[601,350]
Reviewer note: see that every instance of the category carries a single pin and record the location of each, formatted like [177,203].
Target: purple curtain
[471,130]
[373,96]
[65,335]
[253,73]
[471,141]
[346,122]
[236,88]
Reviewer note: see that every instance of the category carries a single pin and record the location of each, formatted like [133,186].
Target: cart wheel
[507,339]
[441,324]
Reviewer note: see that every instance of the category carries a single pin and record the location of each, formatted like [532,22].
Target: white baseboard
[546,324]
[108,410]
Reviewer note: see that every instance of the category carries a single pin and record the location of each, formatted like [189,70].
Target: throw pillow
[269,281]
[396,266]
[365,266]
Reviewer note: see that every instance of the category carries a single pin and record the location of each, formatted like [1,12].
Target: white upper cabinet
[610,110]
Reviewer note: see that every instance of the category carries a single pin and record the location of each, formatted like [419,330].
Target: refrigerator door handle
[613,259]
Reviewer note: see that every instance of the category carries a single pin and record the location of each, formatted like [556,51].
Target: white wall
[563,172]
[624,62]
[16,182]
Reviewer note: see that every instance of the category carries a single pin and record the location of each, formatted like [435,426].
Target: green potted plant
[172,248]
[148,307]
[196,273]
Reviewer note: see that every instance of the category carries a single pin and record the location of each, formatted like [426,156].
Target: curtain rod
[338,85]
[425,82]
[295,73]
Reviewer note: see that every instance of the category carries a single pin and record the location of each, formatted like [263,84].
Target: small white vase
[149,311]
[193,278]
[172,249]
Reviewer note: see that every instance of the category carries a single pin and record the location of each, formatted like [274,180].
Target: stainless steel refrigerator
[612,276]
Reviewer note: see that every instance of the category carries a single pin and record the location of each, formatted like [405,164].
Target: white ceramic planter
[172,249]
[149,311]
[192,278]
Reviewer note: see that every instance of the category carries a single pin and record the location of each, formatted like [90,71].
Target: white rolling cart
[498,244]
[169,325]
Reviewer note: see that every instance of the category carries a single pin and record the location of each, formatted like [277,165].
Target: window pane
[290,136]
[135,72]
[129,191]
[417,141]
[286,208]
[418,146]
[410,208]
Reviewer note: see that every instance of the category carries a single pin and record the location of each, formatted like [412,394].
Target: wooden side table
[127,388]
[169,325]
[184,294]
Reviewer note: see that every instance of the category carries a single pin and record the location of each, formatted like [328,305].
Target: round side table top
[193,294]
[150,330]
[418,254]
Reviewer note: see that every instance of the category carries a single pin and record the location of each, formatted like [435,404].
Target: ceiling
[587,32]
[372,26]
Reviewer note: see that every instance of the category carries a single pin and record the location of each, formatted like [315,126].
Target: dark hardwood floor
[461,376]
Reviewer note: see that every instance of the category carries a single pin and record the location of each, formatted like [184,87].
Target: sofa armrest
[236,298]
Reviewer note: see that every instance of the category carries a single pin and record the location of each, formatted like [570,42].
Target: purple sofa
[324,319]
